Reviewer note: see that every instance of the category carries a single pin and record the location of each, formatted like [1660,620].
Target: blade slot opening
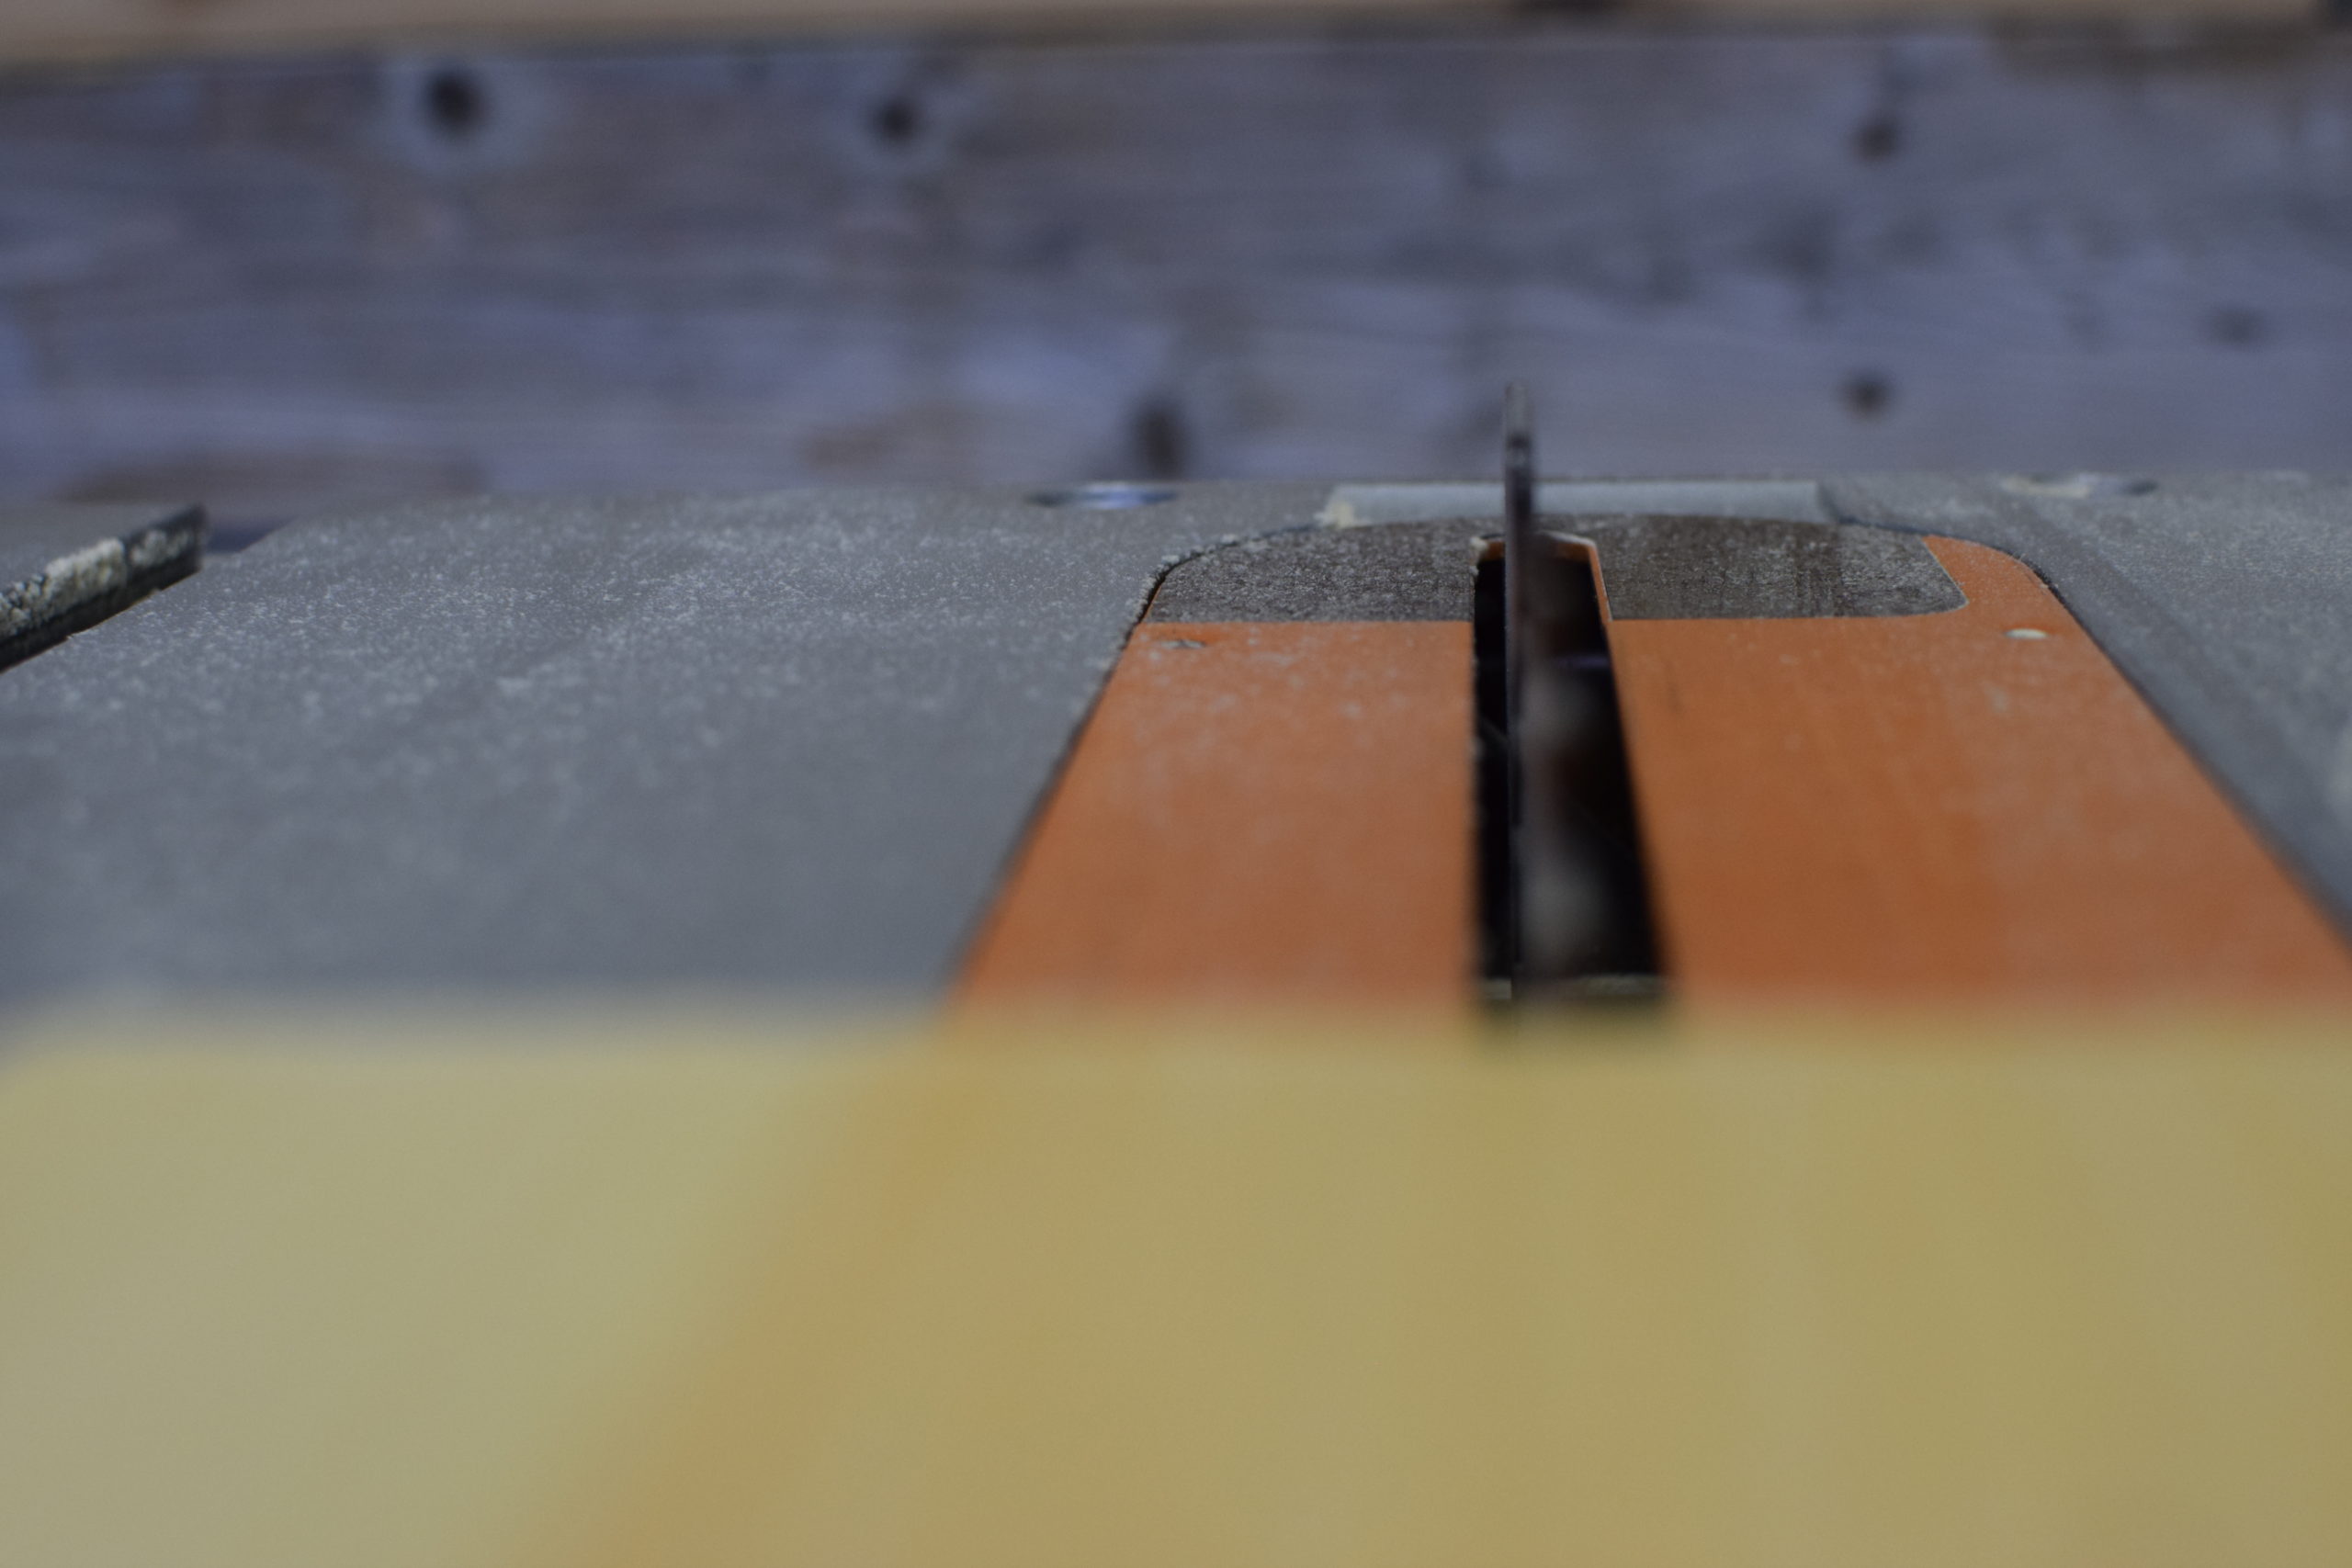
[1564,897]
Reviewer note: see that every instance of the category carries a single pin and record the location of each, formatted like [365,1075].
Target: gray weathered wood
[273,284]
[89,30]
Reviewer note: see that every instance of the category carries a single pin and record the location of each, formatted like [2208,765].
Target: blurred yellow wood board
[716,1302]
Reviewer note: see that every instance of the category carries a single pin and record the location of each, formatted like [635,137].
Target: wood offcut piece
[1965,805]
[63,569]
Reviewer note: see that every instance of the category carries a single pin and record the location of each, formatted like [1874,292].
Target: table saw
[1701,1021]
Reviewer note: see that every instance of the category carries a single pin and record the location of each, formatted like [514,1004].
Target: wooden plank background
[36,29]
[279,284]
